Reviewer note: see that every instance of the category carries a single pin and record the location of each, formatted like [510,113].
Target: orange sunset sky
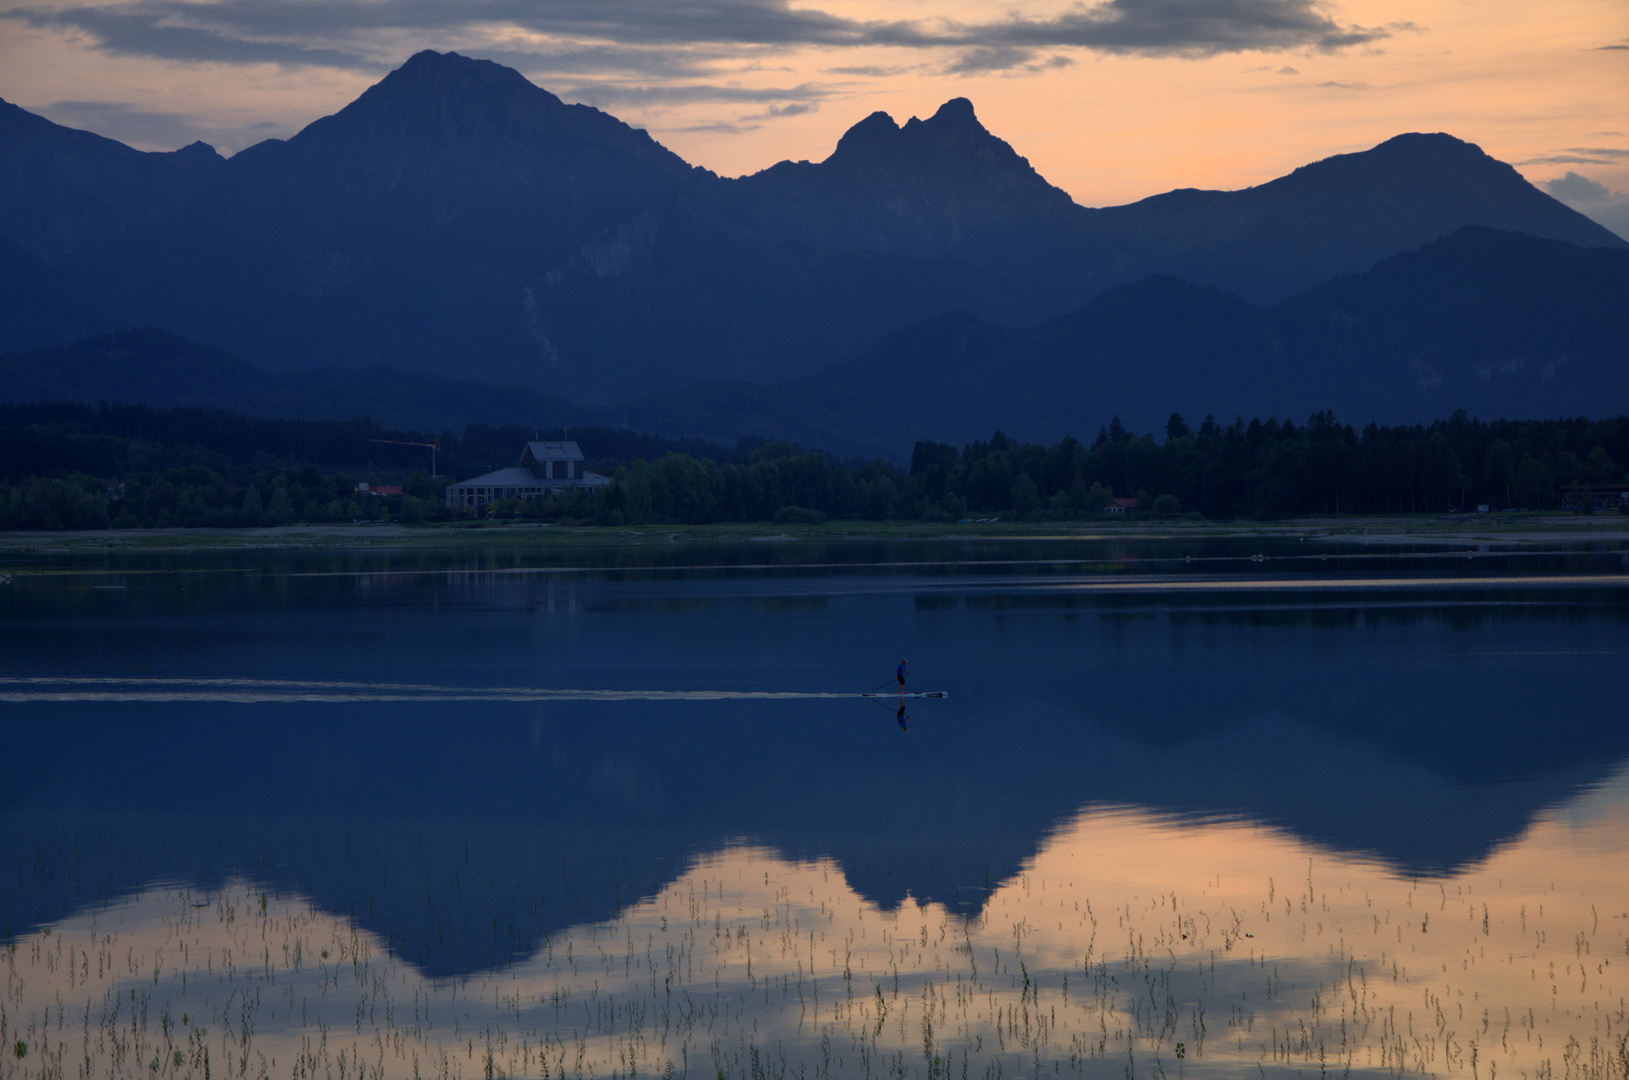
[1111,101]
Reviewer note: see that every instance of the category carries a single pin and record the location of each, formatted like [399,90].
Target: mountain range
[1500,324]
[457,222]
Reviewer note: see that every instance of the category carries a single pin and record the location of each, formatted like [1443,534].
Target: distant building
[553,460]
[365,488]
[1120,506]
[1596,496]
[544,467]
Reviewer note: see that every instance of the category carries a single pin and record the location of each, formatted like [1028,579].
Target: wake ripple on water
[32,689]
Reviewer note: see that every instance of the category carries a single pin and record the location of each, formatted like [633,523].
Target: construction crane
[431,446]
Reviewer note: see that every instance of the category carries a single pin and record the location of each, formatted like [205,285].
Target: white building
[544,467]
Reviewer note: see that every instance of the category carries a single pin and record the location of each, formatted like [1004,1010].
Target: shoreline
[1503,529]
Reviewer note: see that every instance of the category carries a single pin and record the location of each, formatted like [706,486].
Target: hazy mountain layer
[42,306]
[1500,324]
[152,367]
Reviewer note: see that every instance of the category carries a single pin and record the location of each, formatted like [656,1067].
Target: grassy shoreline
[1520,528]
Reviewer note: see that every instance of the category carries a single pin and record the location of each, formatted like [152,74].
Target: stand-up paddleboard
[918,694]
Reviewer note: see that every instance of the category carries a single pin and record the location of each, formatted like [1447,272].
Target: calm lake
[1209,807]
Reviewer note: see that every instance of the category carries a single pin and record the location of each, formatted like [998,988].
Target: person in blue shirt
[900,673]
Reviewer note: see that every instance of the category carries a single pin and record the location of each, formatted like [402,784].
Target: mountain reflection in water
[481,784]
[1128,943]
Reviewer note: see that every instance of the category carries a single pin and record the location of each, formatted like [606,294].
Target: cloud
[1005,61]
[872,71]
[134,30]
[1344,86]
[1594,200]
[1566,159]
[990,58]
[718,128]
[631,34]
[1581,155]
[605,60]
[1182,28]
[797,108]
[144,129]
[132,126]
[1286,70]
[1574,188]
[605,93]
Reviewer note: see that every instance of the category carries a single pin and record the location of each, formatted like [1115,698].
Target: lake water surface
[1211,806]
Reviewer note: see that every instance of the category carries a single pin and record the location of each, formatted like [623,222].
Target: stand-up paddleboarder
[900,673]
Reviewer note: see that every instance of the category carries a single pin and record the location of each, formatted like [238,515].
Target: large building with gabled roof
[544,467]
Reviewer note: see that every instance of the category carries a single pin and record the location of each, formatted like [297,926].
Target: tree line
[118,466]
[66,465]
[1260,469]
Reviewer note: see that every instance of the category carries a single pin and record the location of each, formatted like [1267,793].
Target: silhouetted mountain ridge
[408,229]
[1335,216]
[457,220]
[65,193]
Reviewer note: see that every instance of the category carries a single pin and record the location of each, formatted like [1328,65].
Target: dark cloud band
[137,30]
[297,32]
[807,95]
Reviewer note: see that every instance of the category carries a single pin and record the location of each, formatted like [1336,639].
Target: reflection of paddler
[900,673]
[901,717]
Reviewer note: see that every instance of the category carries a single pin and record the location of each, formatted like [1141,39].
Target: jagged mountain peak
[927,187]
[870,136]
[879,135]
[951,141]
[954,116]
